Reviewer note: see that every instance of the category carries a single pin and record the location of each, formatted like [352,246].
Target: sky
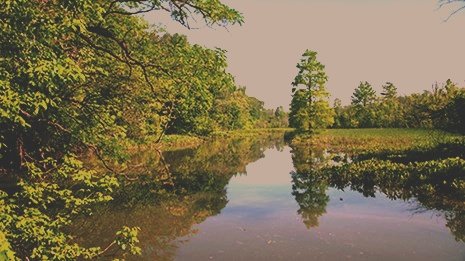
[406,42]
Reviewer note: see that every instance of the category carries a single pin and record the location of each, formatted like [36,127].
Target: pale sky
[402,41]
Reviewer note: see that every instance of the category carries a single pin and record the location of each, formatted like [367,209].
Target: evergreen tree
[310,109]
[363,94]
[363,98]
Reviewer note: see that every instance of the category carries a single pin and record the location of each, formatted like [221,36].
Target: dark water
[244,199]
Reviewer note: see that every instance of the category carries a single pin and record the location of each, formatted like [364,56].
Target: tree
[363,95]
[389,91]
[390,113]
[279,118]
[362,99]
[310,109]
[299,113]
[83,75]
[340,119]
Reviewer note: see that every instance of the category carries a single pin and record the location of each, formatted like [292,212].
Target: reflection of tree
[448,203]
[167,204]
[308,186]
[456,222]
[161,223]
[435,184]
[310,193]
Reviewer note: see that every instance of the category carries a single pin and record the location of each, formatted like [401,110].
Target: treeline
[442,108]
[92,75]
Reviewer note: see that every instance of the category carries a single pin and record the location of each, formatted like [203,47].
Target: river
[223,206]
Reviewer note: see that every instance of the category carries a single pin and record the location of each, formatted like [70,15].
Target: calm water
[221,206]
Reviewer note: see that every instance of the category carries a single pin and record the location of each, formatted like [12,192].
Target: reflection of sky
[261,222]
[265,191]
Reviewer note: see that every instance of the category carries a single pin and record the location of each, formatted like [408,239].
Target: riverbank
[375,140]
[178,142]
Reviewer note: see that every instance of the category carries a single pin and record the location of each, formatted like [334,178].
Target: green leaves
[127,240]
[79,76]
[363,95]
[310,108]
[5,249]
[438,108]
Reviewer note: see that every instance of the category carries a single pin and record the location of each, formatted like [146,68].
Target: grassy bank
[177,142]
[374,140]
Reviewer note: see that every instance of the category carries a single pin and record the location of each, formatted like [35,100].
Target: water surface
[251,199]
[261,222]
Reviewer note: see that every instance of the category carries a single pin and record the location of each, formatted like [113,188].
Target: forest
[440,108]
[84,84]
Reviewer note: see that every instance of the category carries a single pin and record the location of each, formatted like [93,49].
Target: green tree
[363,100]
[363,95]
[280,118]
[389,91]
[85,75]
[310,109]
[389,113]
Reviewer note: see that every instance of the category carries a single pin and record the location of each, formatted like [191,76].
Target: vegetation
[354,141]
[310,109]
[423,166]
[93,76]
[91,81]
[440,108]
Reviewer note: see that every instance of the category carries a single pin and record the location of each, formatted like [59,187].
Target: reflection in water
[310,194]
[173,192]
[316,171]
[234,199]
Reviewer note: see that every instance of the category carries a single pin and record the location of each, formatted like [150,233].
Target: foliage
[363,95]
[440,108]
[5,249]
[93,76]
[49,196]
[310,110]
[357,141]
[362,99]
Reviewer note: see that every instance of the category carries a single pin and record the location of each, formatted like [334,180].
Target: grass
[374,140]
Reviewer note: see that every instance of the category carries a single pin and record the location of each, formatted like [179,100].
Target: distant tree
[338,111]
[454,113]
[442,108]
[363,100]
[389,91]
[363,94]
[280,118]
[310,109]
[279,111]
[389,111]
